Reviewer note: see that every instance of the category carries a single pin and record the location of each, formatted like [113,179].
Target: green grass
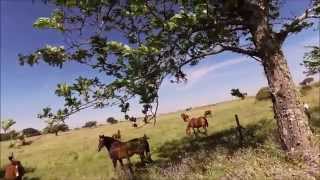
[73,155]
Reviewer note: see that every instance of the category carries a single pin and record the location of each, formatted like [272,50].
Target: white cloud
[197,74]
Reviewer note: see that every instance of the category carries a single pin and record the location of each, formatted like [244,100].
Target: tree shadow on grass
[254,134]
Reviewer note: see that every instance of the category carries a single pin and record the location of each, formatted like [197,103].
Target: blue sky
[26,90]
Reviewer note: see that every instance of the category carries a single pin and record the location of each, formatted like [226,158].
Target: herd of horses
[119,150]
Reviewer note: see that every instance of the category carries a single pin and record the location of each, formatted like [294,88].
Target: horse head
[105,141]
[145,137]
[11,157]
[184,117]
[101,142]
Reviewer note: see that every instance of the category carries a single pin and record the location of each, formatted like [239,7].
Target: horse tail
[147,148]
[146,143]
[206,122]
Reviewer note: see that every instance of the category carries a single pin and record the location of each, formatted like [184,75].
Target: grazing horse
[195,123]
[14,170]
[117,135]
[124,150]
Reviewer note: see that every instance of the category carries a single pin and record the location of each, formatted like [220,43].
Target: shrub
[90,124]
[306,81]
[305,89]
[263,94]
[112,120]
[7,136]
[28,132]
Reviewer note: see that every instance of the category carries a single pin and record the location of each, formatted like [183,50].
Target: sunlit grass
[73,155]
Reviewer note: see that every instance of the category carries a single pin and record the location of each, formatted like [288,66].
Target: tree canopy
[237,93]
[312,61]
[161,38]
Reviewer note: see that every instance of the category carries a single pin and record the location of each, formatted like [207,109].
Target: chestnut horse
[124,150]
[198,122]
[14,170]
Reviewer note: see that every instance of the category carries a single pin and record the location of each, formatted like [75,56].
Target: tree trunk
[295,134]
[294,131]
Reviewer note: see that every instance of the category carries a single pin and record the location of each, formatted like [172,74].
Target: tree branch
[291,27]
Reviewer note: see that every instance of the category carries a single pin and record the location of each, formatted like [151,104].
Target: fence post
[239,128]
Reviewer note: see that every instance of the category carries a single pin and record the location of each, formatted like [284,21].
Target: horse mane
[185,117]
[107,141]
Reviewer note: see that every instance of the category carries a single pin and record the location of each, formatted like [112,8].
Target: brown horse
[14,170]
[198,122]
[124,150]
[117,135]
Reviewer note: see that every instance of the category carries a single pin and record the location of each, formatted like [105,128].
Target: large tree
[162,37]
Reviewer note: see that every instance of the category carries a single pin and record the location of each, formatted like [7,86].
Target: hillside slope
[73,155]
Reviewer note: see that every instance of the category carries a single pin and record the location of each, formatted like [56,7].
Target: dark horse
[124,150]
[14,170]
[197,123]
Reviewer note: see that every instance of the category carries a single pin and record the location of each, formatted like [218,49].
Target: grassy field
[73,155]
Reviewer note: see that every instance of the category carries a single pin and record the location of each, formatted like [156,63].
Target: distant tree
[6,124]
[237,93]
[312,61]
[263,94]
[55,122]
[90,124]
[133,119]
[28,132]
[55,128]
[112,120]
[306,81]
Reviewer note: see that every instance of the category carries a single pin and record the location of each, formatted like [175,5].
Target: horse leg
[142,157]
[205,131]
[194,132]
[148,155]
[121,163]
[130,165]
[114,161]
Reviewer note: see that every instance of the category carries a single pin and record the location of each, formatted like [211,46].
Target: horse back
[198,122]
[119,150]
[10,172]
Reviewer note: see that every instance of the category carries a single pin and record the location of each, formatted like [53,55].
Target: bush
[28,132]
[305,89]
[263,94]
[112,120]
[12,134]
[90,124]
